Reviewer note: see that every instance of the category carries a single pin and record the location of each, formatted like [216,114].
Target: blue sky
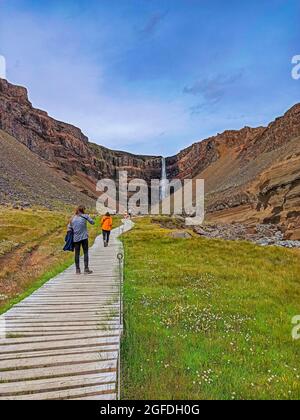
[153,76]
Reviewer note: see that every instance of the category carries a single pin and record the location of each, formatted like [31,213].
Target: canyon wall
[251,175]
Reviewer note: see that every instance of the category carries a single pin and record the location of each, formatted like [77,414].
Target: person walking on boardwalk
[78,224]
[106,225]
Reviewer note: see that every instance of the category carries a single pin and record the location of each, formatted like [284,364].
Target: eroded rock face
[193,160]
[251,175]
[65,147]
[280,132]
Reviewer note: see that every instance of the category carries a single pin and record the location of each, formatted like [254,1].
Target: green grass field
[31,243]
[208,319]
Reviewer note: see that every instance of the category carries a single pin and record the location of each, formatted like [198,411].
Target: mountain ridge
[251,174]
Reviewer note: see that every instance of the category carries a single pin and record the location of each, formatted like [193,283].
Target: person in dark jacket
[78,224]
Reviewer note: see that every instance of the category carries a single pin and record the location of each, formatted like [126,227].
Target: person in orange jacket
[106,225]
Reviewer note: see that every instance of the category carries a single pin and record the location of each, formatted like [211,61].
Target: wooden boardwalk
[63,342]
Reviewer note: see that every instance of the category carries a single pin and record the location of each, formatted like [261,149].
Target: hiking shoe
[78,271]
[88,271]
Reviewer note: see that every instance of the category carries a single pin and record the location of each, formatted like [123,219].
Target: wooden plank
[58,371]
[85,392]
[65,335]
[55,330]
[51,384]
[61,311]
[59,326]
[59,352]
[57,320]
[68,305]
[57,338]
[64,344]
[75,296]
[38,321]
[78,293]
[98,311]
[47,361]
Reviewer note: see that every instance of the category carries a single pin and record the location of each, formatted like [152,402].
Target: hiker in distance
[106,225]
[78,225]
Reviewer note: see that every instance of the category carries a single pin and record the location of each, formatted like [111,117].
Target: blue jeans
[106,235]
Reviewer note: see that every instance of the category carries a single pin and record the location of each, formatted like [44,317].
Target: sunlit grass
[208,319]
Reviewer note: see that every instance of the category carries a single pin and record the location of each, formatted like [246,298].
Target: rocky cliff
[64,147]
[193,160]
[252,175]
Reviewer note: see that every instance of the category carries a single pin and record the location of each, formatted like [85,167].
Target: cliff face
[193,160]
[64,147]
[252,175]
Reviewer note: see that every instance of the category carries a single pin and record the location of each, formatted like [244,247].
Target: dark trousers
[106,235]
[85,246]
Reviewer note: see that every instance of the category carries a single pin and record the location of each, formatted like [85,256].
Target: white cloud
[2,67]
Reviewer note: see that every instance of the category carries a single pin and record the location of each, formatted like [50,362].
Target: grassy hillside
[208,319]
[31,243]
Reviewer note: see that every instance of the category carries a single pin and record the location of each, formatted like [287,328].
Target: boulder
[180,235]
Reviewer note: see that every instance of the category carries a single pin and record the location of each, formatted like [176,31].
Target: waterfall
[164,180]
